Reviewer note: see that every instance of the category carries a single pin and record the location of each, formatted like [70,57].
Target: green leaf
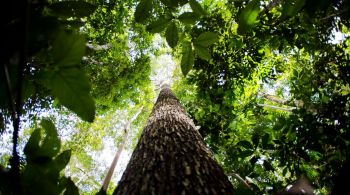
[187,59]
[265,140]
[169,3]
[62,159]
[172,35]
[71,87]
[242,189]
[51,144]
[291,8]
[255,139]
[173,3]
[188,18]
[158,26]
[246,153]
[268,166]
[202,52]
[248,16]
[206,39]
[71,8]
[32,145]
[68,49]
[143,11]
[37,179]
[71,188]
[246,144]
[197,8]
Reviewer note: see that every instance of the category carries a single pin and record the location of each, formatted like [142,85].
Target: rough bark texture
[171,157]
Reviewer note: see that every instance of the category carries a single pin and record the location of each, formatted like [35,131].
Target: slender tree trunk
[109,175]
[292,105]
[171,157]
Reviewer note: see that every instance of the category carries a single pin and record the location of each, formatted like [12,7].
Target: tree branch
[240,179]
[109,175]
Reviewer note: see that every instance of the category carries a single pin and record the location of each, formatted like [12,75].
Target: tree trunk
[109,175]
[171,157]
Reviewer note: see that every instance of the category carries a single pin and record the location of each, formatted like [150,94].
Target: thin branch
[109,175]
[335,14]
[98,47]
[290,109]
[240,179]
[291,105]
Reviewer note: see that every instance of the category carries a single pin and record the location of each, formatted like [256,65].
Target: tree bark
[171,157]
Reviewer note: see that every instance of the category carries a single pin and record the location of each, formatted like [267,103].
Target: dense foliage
[268,82]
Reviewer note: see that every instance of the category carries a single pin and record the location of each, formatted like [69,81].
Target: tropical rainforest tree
[266,81]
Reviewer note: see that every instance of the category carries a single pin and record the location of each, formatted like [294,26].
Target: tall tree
[127,125]
[171,157]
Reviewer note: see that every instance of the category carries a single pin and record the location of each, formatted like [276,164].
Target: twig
[239,178]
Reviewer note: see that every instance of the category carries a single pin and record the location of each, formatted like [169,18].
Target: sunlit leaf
[248,16]
[206,39]
[202,52]
[72,87]
[68,49]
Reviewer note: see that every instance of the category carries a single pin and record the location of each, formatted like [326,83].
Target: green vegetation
[267,82]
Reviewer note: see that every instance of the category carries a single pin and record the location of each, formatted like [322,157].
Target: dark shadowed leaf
[32,145]
[246,153]
[197,8]
[268,166]
[158,25]
[187,59]
[51,144]
[206,39]
[169,3]
[71,8]
[71,188]
[143,11]
[255,140]
[290,8]
[172,35]
[243,190]
[245,144]
[265,140]
[62,159]
[188,18]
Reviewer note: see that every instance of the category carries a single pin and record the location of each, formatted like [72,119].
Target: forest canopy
[266,82]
